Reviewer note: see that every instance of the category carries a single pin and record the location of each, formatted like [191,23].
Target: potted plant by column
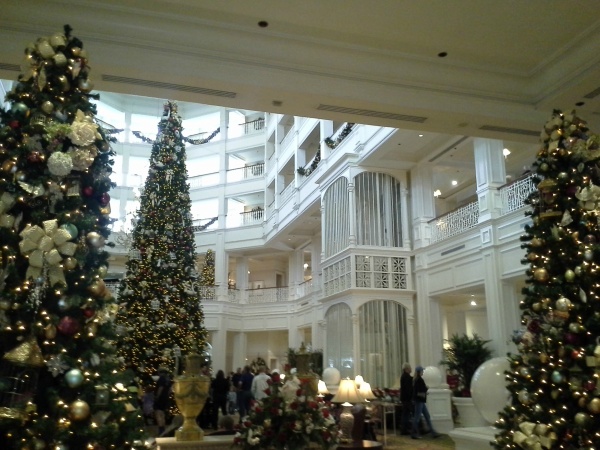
[463,355]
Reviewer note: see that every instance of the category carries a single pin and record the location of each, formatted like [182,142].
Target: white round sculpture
[331,376]
[488,388]
[432,376]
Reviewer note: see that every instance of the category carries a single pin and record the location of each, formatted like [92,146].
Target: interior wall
[272,346]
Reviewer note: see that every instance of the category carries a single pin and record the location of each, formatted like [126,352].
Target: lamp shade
[366,392]
[347,392]
[358,380]
[322,388]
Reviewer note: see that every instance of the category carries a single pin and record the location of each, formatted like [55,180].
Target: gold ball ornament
[581,419]
[541,275]
[86,85]
[582,402]
[47,107]
[544,358]
[91,329]
[537,306]
[102,271]
[49,331]
[9,166]
[105,210]
[5,305]
[95,239]
[79,410]
[97,287]
[69,263]
[563,304]
[594,406]
[569,275]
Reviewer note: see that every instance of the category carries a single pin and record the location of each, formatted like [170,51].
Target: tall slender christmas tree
[554,379]
[162,317]
[207,277]
[61,384]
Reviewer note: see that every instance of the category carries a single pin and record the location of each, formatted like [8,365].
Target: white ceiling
[509,63]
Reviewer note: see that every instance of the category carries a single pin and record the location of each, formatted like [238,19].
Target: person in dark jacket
[406,397]
[219,388]
[420,398]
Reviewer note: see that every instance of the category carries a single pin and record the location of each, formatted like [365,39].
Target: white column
[429,325]
[240,348]
[241,278]
[355,344]
[224,124]
[219,343]
[423,204]
[326,130]
[490,172]
[221,267]
[496,306]
[351,214]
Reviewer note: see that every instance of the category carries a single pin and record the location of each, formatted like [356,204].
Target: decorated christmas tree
[61,384]
[207,277]
[161,317]
[554,379]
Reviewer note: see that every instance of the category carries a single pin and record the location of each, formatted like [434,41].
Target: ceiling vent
[169,86]
[11,67]
[509,130]
[369,113]
[592,94]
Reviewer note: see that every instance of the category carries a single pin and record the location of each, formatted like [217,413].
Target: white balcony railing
[454,222]
[253,217]
[286,193]
[514,194]
[246,173]
[268,295]
[200,181]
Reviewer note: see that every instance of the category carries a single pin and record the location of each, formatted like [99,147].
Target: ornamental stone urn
[191,391]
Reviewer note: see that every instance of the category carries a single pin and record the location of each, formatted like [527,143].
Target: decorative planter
[468,415]
[191,392]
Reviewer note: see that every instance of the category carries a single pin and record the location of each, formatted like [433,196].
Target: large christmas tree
[554,379]
[61,385]
[161,316]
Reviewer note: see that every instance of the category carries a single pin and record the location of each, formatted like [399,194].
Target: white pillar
[219,343]
[326,130]
[221,267]
[496,306]
[240,347]
[355,345]
[429,325]
[490,172]
[423,204]
[352,214]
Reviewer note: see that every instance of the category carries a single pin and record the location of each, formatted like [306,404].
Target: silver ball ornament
[74,378]
[95,239]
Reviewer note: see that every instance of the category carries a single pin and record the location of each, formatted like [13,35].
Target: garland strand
[329,142]
[139,135]
[205,226]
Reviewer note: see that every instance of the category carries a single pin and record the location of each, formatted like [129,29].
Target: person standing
[260,383]
[420,398]
[219,388]
[245,391]
[406,397]
[162,398]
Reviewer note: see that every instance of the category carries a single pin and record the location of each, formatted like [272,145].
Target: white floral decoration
[60,164]
[83,130]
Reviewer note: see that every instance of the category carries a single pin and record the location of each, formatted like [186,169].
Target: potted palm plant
[462,356]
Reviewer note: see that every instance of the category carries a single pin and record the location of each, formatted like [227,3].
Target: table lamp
[322,388]
[365,391]
[347,394]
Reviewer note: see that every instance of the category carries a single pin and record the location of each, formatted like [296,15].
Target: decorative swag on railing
[189,140]
[329,142]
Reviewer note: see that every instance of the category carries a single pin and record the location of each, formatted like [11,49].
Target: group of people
[413,396]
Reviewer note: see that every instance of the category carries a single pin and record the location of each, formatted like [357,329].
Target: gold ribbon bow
[589,197]
[534,436]
[45,246]
[6,202]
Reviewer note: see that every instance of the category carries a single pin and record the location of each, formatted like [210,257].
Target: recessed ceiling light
[454,182]
[506,152]
[473,303]
[437,193]
[420,135]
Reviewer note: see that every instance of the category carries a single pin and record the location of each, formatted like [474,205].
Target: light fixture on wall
[347,395]
[454,182]
[506,152]
[437,193]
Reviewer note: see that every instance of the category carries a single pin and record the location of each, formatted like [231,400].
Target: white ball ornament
[432,376]
[488,388]
[331,376]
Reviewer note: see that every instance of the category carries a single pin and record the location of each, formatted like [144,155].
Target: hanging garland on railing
[329,143]
[205,226]
[343,134]
[202,141]
[139,135]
